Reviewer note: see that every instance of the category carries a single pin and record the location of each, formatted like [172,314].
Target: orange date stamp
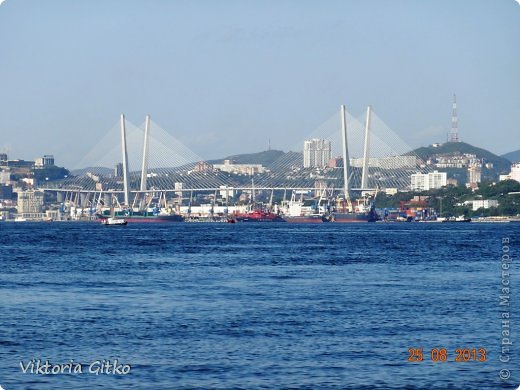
[459,355]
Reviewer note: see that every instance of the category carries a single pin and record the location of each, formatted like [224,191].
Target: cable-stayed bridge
[151,160]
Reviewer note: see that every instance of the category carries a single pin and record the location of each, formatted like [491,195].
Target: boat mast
[364,175]
[252,187]
[125,161]
[346,161]
[144,165]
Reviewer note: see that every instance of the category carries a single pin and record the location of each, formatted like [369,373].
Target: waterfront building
[227,192]
[316,153]
[30,202]
[428,181]
[484,204]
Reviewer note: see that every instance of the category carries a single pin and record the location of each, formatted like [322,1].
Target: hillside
[512,156]
[500,164]
[266,158]
[96,170]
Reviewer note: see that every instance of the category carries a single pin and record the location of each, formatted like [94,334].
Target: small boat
[111,221]
[458,219]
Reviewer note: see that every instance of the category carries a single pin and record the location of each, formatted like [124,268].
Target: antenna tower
[454,135]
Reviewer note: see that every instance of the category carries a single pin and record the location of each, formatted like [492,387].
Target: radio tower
[454,135]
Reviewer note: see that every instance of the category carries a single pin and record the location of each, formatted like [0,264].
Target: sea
[259,306]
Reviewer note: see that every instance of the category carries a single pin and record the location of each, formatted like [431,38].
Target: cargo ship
[156,215]
[256,216]
[369,215]
[296,212]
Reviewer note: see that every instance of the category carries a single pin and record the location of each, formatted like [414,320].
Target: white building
[244,169]
[513,175]
[428,181]
[30,202]
[45,161]
[316,153]
[484,204]
[391,162]
[227,192]
[5,177]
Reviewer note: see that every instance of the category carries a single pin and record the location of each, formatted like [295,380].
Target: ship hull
[137,218]
[353,217]
[249,219]
[158,219]
[305,219]
[257,216]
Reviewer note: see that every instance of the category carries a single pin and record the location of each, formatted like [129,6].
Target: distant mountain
[500,164]
[266,158]
[512,156]
[95,170]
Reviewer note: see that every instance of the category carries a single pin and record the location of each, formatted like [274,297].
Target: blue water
[255,305]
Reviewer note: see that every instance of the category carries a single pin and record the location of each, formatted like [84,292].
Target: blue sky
[225,76]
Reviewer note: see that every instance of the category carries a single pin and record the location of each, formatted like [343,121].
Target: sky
[225,77]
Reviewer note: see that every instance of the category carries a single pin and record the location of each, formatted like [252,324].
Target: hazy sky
[225,76]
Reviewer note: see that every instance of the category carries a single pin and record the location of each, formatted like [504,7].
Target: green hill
[500,164]
[266,158]
[512,156]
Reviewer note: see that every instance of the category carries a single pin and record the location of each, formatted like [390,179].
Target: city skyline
[215,75]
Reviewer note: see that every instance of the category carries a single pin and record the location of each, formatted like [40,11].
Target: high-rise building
[316,153]
[474,174]
[428,181]
[30,202]
[118,170]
